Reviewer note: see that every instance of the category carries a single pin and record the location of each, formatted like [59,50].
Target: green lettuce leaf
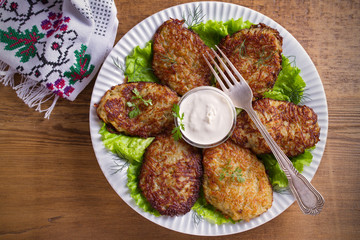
[203,210]
[129,148]
[234,26]
[276,175]
[138,65]
[289,86]
[211,32]
[135,192]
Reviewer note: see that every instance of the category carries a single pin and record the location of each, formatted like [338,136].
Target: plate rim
[95,124]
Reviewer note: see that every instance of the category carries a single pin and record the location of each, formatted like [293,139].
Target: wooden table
[51,186]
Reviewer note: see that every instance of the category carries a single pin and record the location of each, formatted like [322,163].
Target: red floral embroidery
[50,86]
[68,90]
[55,22]
[60,88]
[55,46]
[60,83]
[14,6]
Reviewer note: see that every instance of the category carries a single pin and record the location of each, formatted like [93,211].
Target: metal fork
[309,199]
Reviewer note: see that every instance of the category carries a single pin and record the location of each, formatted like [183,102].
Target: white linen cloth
[57,46]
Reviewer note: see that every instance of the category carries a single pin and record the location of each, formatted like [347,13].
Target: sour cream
[209,116]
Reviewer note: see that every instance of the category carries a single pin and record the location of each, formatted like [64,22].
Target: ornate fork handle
[309,199]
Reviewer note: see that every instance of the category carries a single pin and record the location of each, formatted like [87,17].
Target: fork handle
[309,199]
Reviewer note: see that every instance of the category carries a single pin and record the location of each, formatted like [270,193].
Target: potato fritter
[235,182]
[294,128]
[170,176]
[152,119]
[256,54]
[177,57]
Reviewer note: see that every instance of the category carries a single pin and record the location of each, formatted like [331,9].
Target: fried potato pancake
[294,128]
[170,176]
[152,119]
[235,182]
[177,57]
[256,54]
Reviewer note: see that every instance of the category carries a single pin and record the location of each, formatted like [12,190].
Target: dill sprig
[197,215]
[264,58]
[293,62]
[242,49]
[176,132]
[296,95]
[119,167]
[282,190]
[299,96]
[168,58]
[193,17]
[120,66]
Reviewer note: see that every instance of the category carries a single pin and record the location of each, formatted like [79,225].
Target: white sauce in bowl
[209,116]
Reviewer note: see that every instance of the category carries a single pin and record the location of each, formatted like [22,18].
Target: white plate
[110,75]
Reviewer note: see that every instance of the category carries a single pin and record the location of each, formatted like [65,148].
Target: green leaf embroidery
[23,41]
[80,69]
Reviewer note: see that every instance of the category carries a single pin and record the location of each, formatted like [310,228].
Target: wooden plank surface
[51,186]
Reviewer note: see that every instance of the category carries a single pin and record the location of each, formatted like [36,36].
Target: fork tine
[222,85]
[226,69]
[242,80]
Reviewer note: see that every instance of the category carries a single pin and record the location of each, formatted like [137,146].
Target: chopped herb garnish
[234,175]
[138,96]
[136,111]
[176,132]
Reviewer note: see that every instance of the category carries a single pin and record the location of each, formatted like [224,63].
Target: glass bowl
[209,117]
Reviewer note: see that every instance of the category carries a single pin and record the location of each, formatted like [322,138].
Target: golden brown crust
[170,176]
[152,120]
[177,57]
[294,128]
[256,54]
[238,194]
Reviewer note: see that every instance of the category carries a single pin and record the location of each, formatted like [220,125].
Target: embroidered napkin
[57,46]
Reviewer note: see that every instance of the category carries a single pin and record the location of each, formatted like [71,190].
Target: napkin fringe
[6,74]
[31,92]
